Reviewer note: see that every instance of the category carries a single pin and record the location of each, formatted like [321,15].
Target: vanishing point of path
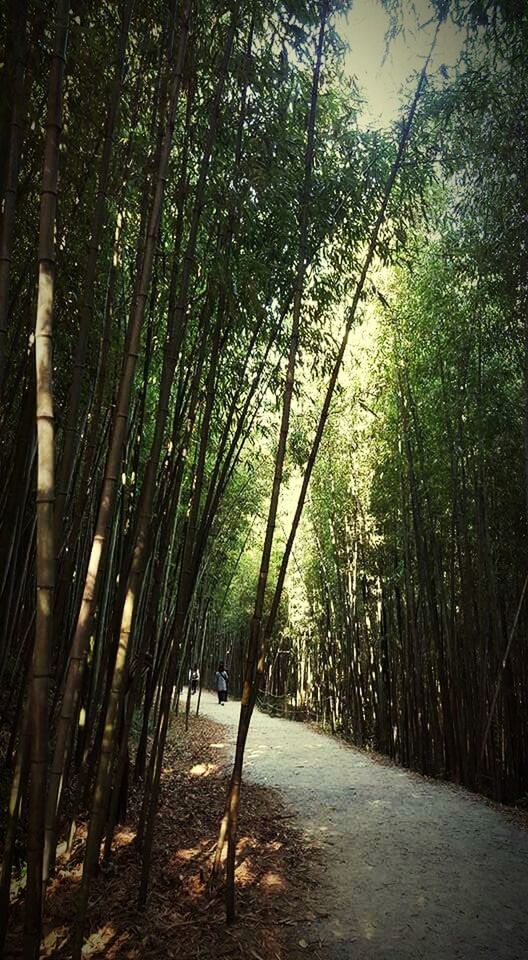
[412,869]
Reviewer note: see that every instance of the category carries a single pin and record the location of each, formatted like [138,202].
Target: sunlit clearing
[272,881]
[124,837]
[274,845]
[100,940]
[55,938]
[246,843]
[189,854]
[246,872]
[203,769]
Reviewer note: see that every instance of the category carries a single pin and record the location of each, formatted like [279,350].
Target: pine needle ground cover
[182,919]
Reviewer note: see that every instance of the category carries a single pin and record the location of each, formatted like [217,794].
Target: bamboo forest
[264,479]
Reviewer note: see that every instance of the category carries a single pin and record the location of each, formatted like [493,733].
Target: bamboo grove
[196,227]
[404,628]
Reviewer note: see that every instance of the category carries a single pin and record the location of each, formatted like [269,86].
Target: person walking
[221,678]
[194,676]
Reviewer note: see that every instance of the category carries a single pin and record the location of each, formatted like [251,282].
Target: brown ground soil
[181,919]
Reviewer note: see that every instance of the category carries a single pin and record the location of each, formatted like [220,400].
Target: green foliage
[412,555]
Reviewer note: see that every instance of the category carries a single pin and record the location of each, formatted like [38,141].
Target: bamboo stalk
[45,558]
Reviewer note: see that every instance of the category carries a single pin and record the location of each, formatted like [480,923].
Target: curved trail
[412,869]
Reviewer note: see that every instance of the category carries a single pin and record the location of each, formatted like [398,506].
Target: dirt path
[411,869]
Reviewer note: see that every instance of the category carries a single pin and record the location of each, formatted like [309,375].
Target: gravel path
[411,869]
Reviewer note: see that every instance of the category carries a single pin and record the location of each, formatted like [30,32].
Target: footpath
[411,869]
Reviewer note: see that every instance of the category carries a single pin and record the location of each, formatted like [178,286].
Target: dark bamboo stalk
[45,564]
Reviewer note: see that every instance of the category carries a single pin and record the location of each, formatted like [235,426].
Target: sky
[381,77]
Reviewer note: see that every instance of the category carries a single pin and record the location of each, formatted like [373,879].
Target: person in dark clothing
[194,676]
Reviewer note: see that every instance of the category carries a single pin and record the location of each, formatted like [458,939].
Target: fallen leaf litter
[274,875]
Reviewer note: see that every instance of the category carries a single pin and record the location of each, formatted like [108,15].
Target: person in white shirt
[221,678]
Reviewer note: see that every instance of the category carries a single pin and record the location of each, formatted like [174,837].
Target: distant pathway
[412,870]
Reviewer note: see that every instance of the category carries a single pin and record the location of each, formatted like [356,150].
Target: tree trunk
[230,821]
[45,562]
